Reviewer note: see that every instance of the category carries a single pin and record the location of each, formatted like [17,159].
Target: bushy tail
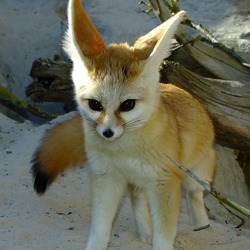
[61,148]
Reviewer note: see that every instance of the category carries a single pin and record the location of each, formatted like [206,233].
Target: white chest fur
[139,162]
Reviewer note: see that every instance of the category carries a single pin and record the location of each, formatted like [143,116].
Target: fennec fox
[127,124]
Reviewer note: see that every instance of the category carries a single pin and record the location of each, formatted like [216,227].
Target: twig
[150,8]
[205,184]
[212,190]
[174,7]
[242,221]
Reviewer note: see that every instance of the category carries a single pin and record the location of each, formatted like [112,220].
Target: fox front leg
[107,191]
[164,199]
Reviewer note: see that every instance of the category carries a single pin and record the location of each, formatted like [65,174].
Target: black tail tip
[41,180]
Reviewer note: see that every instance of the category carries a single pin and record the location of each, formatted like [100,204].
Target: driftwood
[206,50]
[52,81]
[13,102]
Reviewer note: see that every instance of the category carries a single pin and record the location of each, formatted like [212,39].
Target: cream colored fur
[164,121]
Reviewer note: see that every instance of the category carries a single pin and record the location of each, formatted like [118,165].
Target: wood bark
[51,81]
[206,51]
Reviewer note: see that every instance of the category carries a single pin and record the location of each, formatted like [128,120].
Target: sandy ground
[61,218]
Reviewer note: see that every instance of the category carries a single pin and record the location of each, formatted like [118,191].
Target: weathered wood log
[52,82]
[210,54]
[13,102]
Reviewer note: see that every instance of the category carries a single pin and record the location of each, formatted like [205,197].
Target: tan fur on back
[195,129]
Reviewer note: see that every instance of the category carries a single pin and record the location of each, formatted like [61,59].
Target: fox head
[116,86]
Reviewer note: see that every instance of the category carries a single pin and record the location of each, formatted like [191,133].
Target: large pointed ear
[82,38]
[156,45]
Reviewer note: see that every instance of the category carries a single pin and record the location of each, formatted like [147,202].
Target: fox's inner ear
[82,36]
[156,45]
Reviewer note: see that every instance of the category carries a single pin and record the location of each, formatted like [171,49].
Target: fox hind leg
[164,203]
[194,192]
[197,211]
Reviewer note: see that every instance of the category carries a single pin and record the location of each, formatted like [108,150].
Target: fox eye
[127,105]
[95,105]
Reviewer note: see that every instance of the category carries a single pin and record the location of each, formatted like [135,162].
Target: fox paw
[202,227]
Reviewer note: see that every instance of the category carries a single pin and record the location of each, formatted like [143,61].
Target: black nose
[108,133]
